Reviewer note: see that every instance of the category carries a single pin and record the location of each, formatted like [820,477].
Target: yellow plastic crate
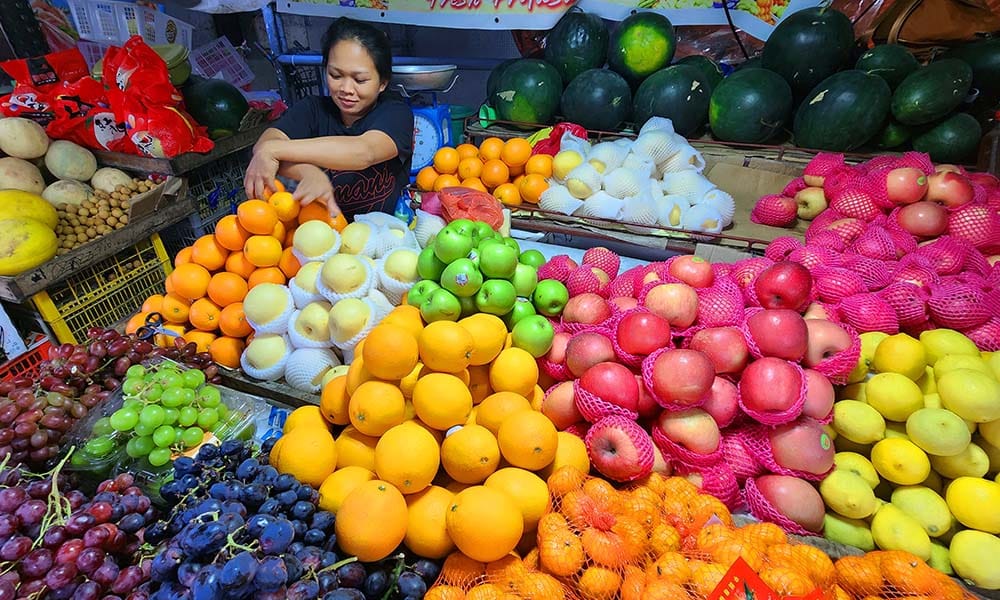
[106,293]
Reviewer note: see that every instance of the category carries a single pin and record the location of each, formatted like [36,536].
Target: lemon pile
[917,433]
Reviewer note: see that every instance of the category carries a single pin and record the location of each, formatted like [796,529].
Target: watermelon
[528,92]
[954,140]
[706,65]
[893,135]
[750,106]
[932,92]
[679,93]
[891,62]
[808,46]
[751,63]
[843,112]
[494,79]
[597,99]
[642,44]
[984,58]
[578,42]
[216,104]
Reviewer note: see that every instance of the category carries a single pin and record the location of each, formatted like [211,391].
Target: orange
[371,521]
[528,491]
[191,280]
[183,256]
[201,339]
[168,283]
[507,194]
[446,160]
[470,167]
[204,314]
[353,447]
[440,400]
[470,455]
[230,234]
[445,346]
[495,172]
[539,164]
[531,188]
[445,592]
[516,152]
[479,382]
[517,180]
[705,577]
[514,370]
[274,186]
[175,308]
[599,583]
[263,250]
[279,232]
[339,222]
[257,217]
[390,351]
[153,304]
[284,205]
[517,171]
[209,253]
[490,149]
[135,322]
[266,275]
[425,179]
[787,582]
[340,484]
[238,264]
[407,317]
[407,456]
[497,407]
[226,351]
[167,341]
[444,181]
[289,237]
[227,288]
[560,552]
[565,480]
[288,264]
[467,151]
[376,407]
[670,566]
[488,333]
[233,322]
[508,572]
[333,401]
[474,183]
[484,523]
[315,211]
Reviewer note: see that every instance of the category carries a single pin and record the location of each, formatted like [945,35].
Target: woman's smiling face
[353,80]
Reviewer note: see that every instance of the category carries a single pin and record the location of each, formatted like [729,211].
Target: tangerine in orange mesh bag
[510,578]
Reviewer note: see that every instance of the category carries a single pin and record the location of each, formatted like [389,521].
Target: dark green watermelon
[642,44]
[893,135]
[679,93]
[808,46]
[843,112]
[216,104]
[751,63]
[494,79]
[709,68]
[578,42]
[528,92]
[891,62]
[984,58]
[954,140]
[932,92]
[597,99]
[750,106]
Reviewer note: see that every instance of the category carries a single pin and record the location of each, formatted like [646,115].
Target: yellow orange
[531,188]
[475,183]
[372,521]
[495,172]
[491,148]
[467,151]
[375,407]
[426,532]
[425,179]
[446,161]
[470,167]
[339,484]
[516,152]
[507,194]
[539,164]
[514,370]
[446,181]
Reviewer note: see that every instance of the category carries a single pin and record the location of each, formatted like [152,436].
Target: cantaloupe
[22,138]
[66,160]
[25,244]
[67,191]
[19,174]
[107,179]
[16,203]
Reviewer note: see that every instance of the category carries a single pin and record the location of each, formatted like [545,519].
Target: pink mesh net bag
[722,269]
[958,306]
[909,301]
[916,269]
[603,259]
[583,281]
[875,273]
[717,480]
[874,242]
[769,417]
[645,454]
[986,336]
[976,263]
[647,380]
[794,187]
[739,458]
[745,272]
[679,455]
[781,247]
[720,304]
[627,358]
[579,429]
[848,228]
[833,284]
[662,270]
[829,239]
[968,278]
[821,221]
[774,210]
[837,366]
[869,312]
[557,371]
[903,240]
[977,224]
[946,254]
[624,286]
[855,202]
[824,164]
[811,257]
[765,511]
[593,407]
[758,442]
[887,162]
[875,184]
[558,268]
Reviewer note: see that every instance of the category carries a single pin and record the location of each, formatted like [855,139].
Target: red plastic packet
[29,103]
[137,69]
[467,203]
[40,72]
[550,145]
[158,131]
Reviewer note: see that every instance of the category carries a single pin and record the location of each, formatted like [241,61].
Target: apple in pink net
[923,219]
[642,332]
[816,310]
[560,407]
[794,498]
[675,302]
[770,385]
[660,463]
[826,339]
[557,351]
[819,395]
[781,333]
[682,376]
[724,346]
[587,349]
[722,401]
[623,303]
[647,406]
[949,189]
[785,284]
[692,270]
[905,185]
[802,445]
[692,428]
[619,449]
[614,383]
[588,308]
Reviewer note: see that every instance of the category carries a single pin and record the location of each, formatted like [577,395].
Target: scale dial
[428,137]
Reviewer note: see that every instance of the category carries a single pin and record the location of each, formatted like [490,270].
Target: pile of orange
[508,170]
[203,299]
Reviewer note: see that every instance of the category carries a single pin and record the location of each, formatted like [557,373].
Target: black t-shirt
[379,186]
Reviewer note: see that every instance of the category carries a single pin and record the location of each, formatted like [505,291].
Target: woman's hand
[261,172]
[314,185]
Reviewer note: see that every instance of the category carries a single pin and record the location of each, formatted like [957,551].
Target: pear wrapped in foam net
[602,206]
[299,339]
[642,165]
[608,155]
[303,285]
[657,124]
[658,146]
[558,199]
[362,290]
[271,372]
[721,201]
[278,324]
[640,210]
[583,181]
[702,218]
[690,184]
[624,183]
[305,368]
[427,226]
[671,210]
[685,159]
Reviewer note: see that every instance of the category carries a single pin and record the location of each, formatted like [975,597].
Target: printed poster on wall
[756,17]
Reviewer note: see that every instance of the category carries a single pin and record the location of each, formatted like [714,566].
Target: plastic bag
[467,203]
[137,69]
[51,87]
[552,144]
[159,131]
[40,72]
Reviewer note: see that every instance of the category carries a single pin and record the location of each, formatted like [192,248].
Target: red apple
[947,168]
[624,303]
[780,333]
[722,402]
[682,376]
[619,449]
[660,464]
[819,395]
[647,406]
[950,189]
[557,351]
[614,383]
[923,219]
[692,428]
[724,346]
[770,385]
[906,185]
[586,349]
[794,498]
[643,333]
[785,284]
[675,302]
[560,407]
[826,339]
[984,179]
[692,270]
[586,308]
[802,445]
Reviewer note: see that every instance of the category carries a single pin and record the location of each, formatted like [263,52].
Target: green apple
[513,244]
[496,297]
[525,279]
[429,266]
[532,257]
[522,308]
[421,291]
[441,305]
[481,231]
[533,333]
[462,278]
[463,226]
[468,304]
[451,245]
[550,297]
[474,257]
[497,260]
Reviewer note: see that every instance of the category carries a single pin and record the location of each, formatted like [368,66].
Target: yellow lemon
[924,505]
[900,461]
[968,552]
[893,529]
[408,457]
[943,342]
[894,396]
[900,353]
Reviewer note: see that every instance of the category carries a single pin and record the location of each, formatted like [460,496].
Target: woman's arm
[340,153]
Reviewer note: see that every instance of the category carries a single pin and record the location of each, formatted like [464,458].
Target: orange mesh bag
[467,203]
[510,578]
[893,574]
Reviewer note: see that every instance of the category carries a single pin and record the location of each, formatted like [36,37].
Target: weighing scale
[431,120]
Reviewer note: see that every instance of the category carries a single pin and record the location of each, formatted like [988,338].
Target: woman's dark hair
[371,38]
